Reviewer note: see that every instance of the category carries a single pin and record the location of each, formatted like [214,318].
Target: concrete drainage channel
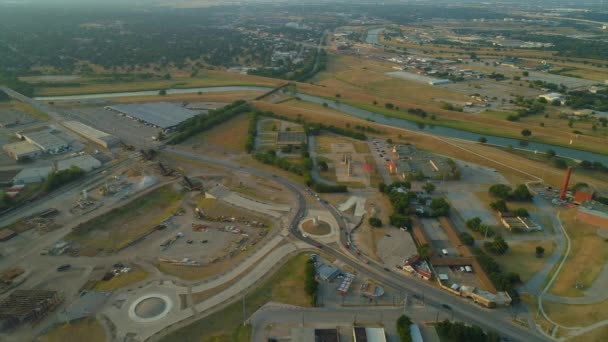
[150,308]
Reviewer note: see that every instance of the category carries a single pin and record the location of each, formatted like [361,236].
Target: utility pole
[244,317]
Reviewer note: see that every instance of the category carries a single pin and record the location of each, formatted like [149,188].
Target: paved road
[498,320]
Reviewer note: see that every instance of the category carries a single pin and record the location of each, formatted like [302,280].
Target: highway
[498,320]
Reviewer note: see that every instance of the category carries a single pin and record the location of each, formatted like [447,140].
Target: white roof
[375,334]
[415,333]
[21,147]
[33,172]
[85,162]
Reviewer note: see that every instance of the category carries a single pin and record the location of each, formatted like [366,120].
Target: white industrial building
[85,162]
[22,150]
[32,175]
[101,138]
[46,141]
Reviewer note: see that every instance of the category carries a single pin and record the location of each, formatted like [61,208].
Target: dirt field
[116,229]
[588,256]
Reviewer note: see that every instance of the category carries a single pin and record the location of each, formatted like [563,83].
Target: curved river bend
[363,114]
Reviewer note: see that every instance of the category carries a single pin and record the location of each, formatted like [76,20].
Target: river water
[367,115]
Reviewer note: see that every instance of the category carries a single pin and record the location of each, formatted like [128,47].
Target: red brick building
[593,213]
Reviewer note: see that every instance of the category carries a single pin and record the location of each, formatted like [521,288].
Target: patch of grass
[87,329]
[208,79]
[285,286]
[230,135]
[121,226]
[136,275]
[576,315]
[521,258]
[25,108]
[597,335]
[322,228]
[587,257]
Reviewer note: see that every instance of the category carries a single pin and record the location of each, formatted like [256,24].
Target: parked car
[64,267]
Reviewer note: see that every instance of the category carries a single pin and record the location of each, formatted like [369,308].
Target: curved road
[498,320]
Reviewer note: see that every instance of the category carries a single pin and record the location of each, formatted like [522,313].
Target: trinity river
[364,114]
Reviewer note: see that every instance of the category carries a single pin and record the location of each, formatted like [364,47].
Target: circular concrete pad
[150,307]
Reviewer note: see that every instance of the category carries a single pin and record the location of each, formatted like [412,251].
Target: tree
[403,328]
[474,223]
[389,141]
[540,251]
[521,212]
[429,187]
[521,193]
[497,246]
[467,239]
[389,105]
[482,140]
[525,74]
[499,205]
[375,222]
[439,207]
[550,153]
[323,166]
[500,191]
[162,92]
[400,220]
[310,280]
[424,251]
[526,132]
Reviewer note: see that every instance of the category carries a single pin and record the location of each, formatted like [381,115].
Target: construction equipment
[191,185]
[165,171]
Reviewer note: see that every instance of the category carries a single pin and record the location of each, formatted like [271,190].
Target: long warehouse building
[163,115]
[101,138]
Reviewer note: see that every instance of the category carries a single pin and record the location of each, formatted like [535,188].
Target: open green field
[87,329]
[521,258]
[121,226]
[285,286]
[231,135]
[99,84]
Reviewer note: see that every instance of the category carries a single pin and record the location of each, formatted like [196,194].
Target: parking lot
[129,131]
[438,237]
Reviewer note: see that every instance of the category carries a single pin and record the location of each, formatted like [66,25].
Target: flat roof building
[22,150]
[163,115]
[314,335]
[369,334]
[291,138]
[593,213]
[84,162]
[46,141]
[11,118]
[327,272]
[32,175]
[101,138]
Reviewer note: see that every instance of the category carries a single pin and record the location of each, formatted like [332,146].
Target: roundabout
[150,308]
